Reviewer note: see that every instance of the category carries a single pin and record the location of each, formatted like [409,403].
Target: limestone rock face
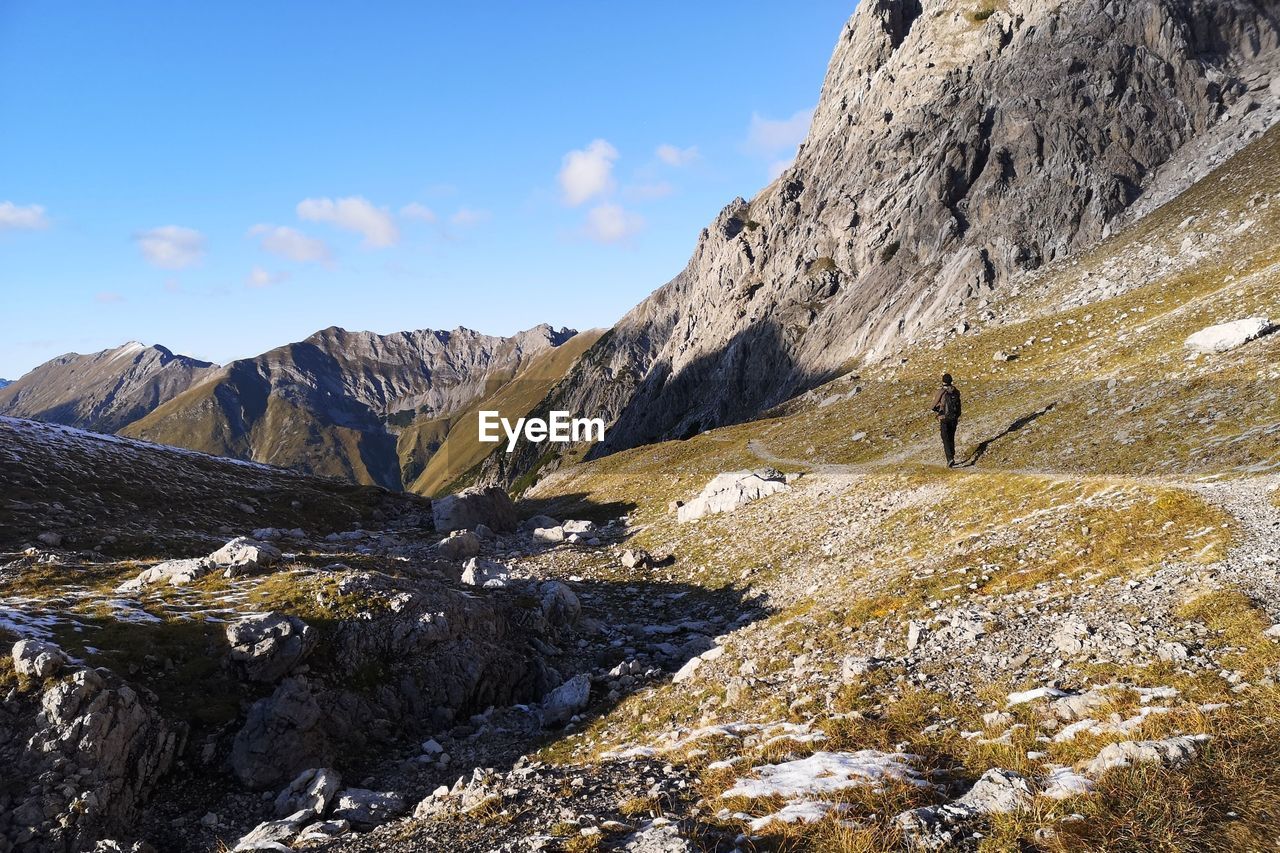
[95,750]
[436,653]
[946,157]
[490,506]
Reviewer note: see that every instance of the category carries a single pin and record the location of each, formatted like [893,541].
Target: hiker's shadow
[985,445]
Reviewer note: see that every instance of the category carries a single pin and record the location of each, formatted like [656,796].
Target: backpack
[949,407]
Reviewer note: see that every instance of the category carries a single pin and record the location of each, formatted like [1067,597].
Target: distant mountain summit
[105,390]
[337,403]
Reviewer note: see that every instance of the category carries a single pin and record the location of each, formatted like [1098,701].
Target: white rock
[730,490]
[1225,337]
[37,658]
[311,791]
[480,572]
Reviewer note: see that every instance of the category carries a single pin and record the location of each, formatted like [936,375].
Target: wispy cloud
[587,172]
[291,243]
[259,278]
[421,212]
[353,213]
[465,217]
[675,156]
[15,217]
[610,223]
[771,137]
[171,247]
[106,297]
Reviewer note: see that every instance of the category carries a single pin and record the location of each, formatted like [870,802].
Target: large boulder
[487,505]
[730,490]
[242,556]
[266,646]
[37,658]
[459,545]
[1225,337]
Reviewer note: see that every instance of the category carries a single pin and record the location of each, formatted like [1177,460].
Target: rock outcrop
[423,654]
[94,750]
[730,490]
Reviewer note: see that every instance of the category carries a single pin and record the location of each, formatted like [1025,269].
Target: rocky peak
[954,150]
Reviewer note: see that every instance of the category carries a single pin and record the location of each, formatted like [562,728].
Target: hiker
[946,405]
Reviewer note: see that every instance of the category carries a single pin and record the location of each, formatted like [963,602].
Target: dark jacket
[940,397]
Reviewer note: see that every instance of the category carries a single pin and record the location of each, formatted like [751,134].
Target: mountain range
[368,408]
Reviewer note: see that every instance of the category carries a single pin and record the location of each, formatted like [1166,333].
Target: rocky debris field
[533,682]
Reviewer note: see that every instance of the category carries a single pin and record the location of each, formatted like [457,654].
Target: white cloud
[259,278]
[587,172]
[171,247]
[609,223]
[353,214]
[413,210]
[770,137]
[291,243]
[467,216]
[28,218]
[673,156]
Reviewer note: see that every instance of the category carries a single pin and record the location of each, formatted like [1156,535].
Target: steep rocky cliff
[102,391]
[954,149]
[333,403]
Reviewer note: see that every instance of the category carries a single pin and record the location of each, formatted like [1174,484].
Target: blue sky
[222,178]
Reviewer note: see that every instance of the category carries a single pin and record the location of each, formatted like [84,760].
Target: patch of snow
[828,772]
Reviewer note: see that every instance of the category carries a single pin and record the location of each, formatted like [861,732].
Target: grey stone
[266,646]
[363,807]
[311,791]
[487,505]
[559,706]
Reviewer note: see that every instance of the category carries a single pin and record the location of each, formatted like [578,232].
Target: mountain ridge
[948,157]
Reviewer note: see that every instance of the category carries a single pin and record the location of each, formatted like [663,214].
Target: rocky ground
[648,682]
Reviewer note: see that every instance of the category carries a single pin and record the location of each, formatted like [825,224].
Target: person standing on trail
[946,405]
